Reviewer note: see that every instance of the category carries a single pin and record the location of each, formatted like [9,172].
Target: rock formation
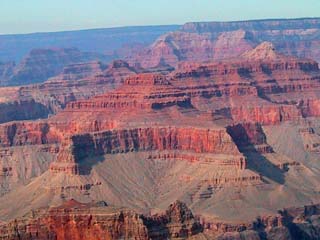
[76,82]
[174,47]
[40,64]
[290,223]
[222,40]
[74,220]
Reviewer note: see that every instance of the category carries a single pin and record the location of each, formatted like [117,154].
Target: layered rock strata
[222,40]
[74,220]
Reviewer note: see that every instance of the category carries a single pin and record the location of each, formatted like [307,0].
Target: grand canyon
[208,130]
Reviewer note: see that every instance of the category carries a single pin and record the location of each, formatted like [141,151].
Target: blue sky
[23,16]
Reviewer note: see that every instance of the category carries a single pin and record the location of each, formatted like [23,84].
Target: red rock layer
[237,161]
[311,107]
[143,139]
[74,220]
[249,136]
[76,84]
[27,133]
[142,94]
[78,81]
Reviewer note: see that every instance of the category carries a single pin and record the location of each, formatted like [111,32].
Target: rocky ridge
[223,40]
[41,64]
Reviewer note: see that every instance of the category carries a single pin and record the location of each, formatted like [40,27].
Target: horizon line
[152,25]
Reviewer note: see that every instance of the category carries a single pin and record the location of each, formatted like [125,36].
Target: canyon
[211,132]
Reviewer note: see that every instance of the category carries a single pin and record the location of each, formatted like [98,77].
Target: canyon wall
[74,220]
[222,40]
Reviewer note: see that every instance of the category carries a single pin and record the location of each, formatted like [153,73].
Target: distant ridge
[103,40]
[217,26]
[260,20]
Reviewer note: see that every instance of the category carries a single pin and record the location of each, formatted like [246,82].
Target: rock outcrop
[177,222]
[290,223]
[74,220]
[27,133]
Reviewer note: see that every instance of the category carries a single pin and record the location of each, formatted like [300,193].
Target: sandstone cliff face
[77,221]
[27,133]
[143,139]
[166,138]
[74,220]
[265,114]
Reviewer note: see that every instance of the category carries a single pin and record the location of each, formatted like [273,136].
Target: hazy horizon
[35,16]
